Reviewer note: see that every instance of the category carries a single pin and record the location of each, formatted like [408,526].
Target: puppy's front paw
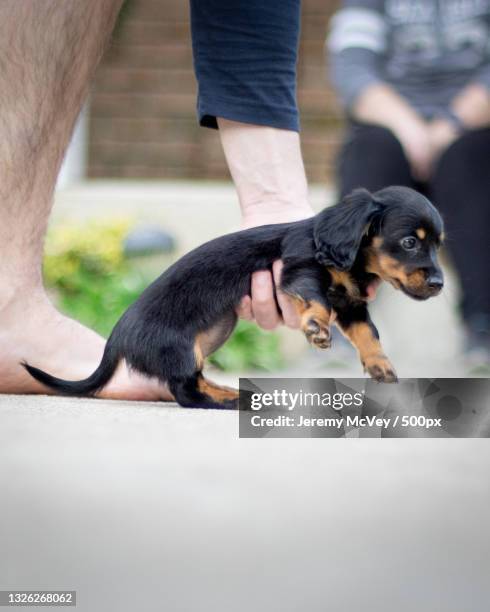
[380,368]
[317,333]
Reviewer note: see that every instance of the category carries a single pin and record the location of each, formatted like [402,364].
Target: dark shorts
[245,55]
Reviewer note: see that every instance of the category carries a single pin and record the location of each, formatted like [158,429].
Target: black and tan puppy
[332,262]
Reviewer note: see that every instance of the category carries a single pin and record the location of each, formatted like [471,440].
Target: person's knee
[381,146]
[373,158]
[468,155]
[379,139]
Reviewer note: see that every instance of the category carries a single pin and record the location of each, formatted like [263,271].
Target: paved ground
[145,507]
[151,507]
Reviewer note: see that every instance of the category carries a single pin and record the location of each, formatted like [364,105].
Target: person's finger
[289,313]
[263,303]
[244,310]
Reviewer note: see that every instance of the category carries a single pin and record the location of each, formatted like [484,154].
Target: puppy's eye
[408,243]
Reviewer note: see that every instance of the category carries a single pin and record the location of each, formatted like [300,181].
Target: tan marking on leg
[344,278]
[421,233]
[362,337]
[216,392]
[315,320]
[299,303]
[442,237]
[370,351]
[317,311]
[198,354]
[315,324]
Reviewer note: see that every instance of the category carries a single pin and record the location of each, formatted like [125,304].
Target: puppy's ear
[338,230]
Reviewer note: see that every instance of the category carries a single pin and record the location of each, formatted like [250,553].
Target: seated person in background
[414,80]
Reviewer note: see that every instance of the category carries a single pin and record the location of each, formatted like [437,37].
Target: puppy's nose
[435,281]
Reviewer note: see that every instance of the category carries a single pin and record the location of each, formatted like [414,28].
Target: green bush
[249,347]
[94,283]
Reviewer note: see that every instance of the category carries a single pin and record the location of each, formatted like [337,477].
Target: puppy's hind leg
[197,392]
[189,386]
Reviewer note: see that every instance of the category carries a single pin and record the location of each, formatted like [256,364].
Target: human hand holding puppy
[268,172]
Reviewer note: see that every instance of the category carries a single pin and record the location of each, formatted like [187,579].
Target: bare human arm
[267,168]
[472,105]
[245,63]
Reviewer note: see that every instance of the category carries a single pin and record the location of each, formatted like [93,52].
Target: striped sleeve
[355,45]
[357,28]
[483,74]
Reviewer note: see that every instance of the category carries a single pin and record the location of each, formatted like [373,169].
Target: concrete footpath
[152,507]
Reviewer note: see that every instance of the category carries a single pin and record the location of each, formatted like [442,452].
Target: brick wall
[142,119]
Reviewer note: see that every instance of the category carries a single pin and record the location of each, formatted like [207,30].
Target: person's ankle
[15,295]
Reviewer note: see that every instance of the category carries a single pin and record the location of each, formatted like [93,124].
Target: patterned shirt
[428,50]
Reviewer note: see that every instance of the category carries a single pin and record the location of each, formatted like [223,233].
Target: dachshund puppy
[332,264]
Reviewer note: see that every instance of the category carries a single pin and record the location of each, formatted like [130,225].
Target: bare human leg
[48,53]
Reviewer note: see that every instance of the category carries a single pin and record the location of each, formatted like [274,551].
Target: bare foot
[32,330]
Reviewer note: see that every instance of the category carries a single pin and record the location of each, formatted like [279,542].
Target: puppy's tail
[88,386]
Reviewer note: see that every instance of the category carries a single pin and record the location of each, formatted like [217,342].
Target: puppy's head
[398,231]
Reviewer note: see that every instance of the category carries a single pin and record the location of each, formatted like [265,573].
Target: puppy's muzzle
[435,283]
